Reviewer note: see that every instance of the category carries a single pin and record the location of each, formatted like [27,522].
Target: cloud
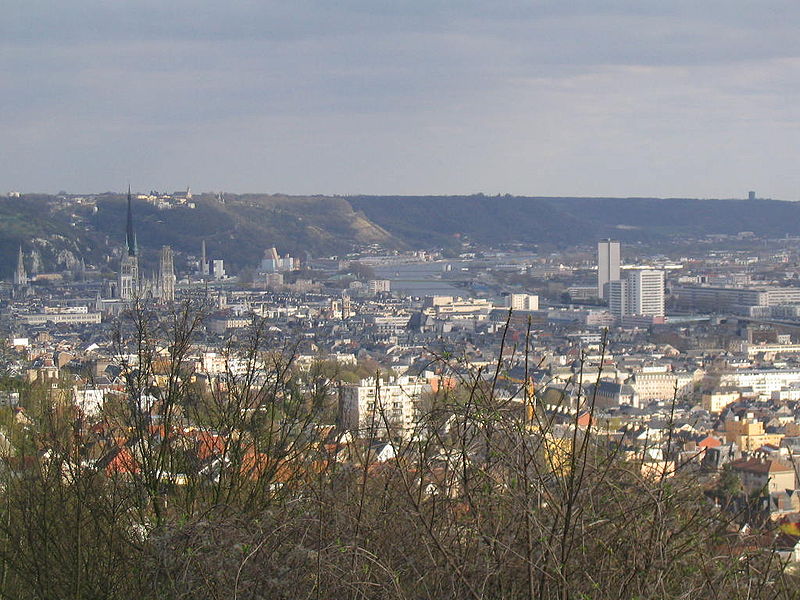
[434,96]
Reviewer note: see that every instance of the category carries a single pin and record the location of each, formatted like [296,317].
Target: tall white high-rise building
[639,293]
[608,261]
[646,292]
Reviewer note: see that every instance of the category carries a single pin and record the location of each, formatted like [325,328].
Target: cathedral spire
[130,236]
[129,285]
[20,276]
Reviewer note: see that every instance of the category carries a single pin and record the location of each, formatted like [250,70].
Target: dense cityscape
[681,367]
[399,300]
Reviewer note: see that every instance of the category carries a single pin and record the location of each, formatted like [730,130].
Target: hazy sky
[569,97]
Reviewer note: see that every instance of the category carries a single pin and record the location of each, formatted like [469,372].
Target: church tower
[20,275]
[129,265]
[166,276]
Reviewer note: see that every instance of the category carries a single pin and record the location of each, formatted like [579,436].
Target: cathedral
[131,286]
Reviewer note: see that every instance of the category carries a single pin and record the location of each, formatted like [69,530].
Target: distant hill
[566,221]
[244,226]
[240,229]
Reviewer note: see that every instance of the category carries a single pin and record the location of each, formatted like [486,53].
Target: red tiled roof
[709,442]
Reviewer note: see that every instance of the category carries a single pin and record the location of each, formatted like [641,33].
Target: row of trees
[233,489]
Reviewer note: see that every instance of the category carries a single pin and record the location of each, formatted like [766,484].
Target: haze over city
[625,99]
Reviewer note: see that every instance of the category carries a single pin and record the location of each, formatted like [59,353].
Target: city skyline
[425,300]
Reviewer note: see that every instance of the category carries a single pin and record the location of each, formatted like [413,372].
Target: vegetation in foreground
[234,487]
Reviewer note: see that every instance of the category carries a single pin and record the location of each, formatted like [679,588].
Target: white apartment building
[753,349]
[218,268]
[213,363]
[379,286]
[646,292]
[383,409]
[522,301]
[761,381]
[73,318]
[89,400]
[640,293]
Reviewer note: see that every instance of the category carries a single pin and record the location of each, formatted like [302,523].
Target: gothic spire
[130,236]
[20,276]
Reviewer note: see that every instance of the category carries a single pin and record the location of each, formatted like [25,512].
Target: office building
[617,296]
[740,300]
[608,261]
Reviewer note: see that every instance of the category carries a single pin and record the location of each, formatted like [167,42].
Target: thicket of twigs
[489,500]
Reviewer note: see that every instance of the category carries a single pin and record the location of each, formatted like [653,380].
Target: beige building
[749,435]
[662,385]
[221,324]
[449,306]
[716,400]
[767,475]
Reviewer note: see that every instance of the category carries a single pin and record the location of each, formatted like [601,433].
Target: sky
[562,98]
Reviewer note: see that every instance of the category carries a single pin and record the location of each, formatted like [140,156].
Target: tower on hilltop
[129,264]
